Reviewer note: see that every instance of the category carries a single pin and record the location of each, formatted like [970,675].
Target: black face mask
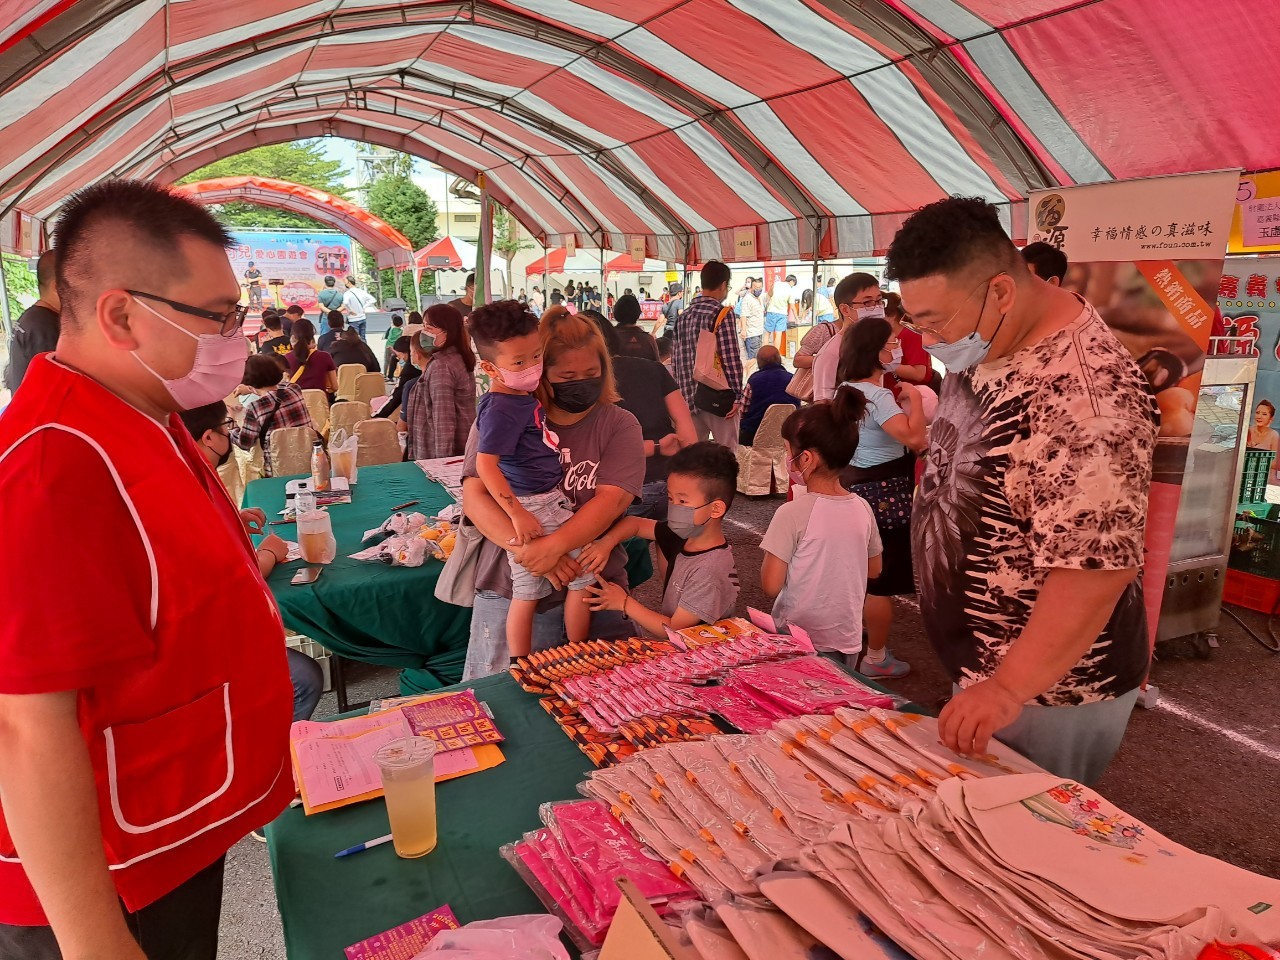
[577,396]
[224,457]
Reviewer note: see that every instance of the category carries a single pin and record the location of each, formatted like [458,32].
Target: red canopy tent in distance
[390,247]
[608,120]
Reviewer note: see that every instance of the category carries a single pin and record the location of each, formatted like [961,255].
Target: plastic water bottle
[304,502]
[321,469]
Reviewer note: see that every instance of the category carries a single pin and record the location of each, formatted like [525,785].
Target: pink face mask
[218,367]
[526,380]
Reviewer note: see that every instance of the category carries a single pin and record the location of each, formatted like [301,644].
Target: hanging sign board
[744,243]
[637,249]
[570,245]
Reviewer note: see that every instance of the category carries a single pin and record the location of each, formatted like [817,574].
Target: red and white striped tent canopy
[819,123]
[458,253]
[560,260]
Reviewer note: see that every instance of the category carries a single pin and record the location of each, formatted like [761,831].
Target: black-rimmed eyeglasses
[231,321]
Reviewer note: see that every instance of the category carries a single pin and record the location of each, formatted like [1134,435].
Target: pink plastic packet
[602,850]
[809,685]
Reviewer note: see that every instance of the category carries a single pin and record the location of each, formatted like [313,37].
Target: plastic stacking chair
[318,407]
[347,375]
[291,450]
[369,386]
[345,416]
[379,442]
[762,467]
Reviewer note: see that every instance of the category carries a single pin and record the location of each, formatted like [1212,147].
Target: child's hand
[669,445]
[526,526]
[604,596]
[594,555]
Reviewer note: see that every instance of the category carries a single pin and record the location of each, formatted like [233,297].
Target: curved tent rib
[819,123]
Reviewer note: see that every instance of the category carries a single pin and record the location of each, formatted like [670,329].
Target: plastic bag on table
[786,787]
[638,794]
[875,735]
[809,685]
[602,850]
[706,767]
[921,734]
[342,455]
[841,786]
[680,862]
[808,732]
[913,897]
[396,525]
[535,937]
[526,857]
[702,816]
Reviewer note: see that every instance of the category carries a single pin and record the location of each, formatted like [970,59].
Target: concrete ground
[1199,767]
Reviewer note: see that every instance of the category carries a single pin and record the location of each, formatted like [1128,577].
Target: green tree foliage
[407,207]
[508,241]
[300,162]
[20,283]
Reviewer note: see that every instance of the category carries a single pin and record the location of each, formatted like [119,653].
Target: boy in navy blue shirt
[518,459]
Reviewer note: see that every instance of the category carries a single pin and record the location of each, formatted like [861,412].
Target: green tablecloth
[369,611]
[375,613]
[329,904]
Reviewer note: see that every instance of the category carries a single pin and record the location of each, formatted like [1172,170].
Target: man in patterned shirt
[700,315]
[1028,529]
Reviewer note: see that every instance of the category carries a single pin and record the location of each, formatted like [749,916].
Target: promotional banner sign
[1255,226]
[301,260]
[1148,255]
[1249,298]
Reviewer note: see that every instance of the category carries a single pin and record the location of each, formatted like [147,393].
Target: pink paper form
[405,941]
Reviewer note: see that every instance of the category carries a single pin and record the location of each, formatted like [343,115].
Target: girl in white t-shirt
[821,547]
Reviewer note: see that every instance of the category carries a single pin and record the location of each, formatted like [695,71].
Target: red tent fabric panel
[1214,108]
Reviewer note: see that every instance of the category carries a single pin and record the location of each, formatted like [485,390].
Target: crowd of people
[1009,495]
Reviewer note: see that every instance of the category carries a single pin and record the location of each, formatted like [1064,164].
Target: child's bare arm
[526,525]
[595,555]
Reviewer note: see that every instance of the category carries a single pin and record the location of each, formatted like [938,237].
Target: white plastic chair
[762,467]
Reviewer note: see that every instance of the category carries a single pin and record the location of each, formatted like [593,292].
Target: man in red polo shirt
[144,713]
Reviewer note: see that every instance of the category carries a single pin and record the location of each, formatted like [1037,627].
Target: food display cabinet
[1207,502]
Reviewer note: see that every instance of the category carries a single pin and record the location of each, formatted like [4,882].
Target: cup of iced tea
[409,783]
[315,537]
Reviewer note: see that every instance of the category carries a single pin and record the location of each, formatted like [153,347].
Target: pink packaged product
[602,850]
[585,927]
[809,685]
[735,703]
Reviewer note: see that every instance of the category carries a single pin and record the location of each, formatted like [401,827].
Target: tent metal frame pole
[5,315]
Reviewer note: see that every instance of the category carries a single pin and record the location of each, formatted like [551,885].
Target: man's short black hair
[47,272]
[351,280]
[471,280]
[123,233]
[199,419]
[397,320]
[1046,260]
[850,287]
[295,310]
[714,467]
[272,321]
[950,237]
[330,281]
[336,319]
[714,274]
[664,347]
[499,321]
[261,371]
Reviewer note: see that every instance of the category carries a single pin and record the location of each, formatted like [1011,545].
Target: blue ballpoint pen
[362,846]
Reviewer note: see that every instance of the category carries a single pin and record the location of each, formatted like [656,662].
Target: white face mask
[896,359]
[876,310]
[217,370]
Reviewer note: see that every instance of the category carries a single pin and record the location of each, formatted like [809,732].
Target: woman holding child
[601,453]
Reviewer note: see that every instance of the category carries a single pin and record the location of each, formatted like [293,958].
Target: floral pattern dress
[1041,460]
